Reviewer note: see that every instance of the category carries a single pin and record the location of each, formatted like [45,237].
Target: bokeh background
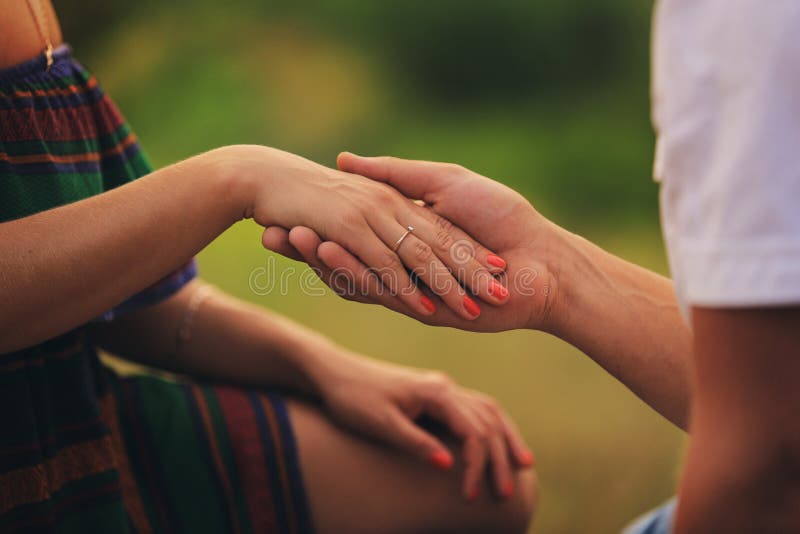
[548,97]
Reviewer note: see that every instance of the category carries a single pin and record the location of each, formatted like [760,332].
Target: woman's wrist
[315,361]
[237,169]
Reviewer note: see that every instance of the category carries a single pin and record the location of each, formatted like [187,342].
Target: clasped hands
[477,258]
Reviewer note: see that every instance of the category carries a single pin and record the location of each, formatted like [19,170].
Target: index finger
[414,178]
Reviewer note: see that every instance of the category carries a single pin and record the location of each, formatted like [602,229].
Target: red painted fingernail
[473,494]
[442,460]
[497,261]
[528,458]
[427,304]
[508,491]
[496,289]
[471,307]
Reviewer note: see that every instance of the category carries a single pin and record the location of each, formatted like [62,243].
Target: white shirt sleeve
[726,108]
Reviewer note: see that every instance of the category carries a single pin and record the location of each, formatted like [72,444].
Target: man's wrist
[564,256]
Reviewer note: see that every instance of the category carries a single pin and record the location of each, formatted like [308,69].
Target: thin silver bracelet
[198,298]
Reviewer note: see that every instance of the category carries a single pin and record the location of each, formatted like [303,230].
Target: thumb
[415,179]
[409,437]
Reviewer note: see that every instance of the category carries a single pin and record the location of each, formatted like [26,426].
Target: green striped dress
[82,449]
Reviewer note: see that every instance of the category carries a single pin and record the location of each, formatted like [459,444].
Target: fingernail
[473,494]
[528,459]
[496,289]
[427,304]
[495,260]
[471,307]
[508,490]
[442,460]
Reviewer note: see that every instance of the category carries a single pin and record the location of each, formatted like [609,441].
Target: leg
[357,486]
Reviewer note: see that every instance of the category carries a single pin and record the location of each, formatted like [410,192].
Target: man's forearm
[627,319]
[227,339]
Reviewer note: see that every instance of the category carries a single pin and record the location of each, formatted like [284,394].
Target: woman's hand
[369,219]
[383,401]
[497,216]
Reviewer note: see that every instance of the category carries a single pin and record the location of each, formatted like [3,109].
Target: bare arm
[743,468]
[62,267]
[627,319]
[228,340]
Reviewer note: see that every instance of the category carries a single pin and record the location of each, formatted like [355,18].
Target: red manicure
[497,261]
[528,459]
[427,304]
[508,491]
[496,289]
[442,460]
[471,307]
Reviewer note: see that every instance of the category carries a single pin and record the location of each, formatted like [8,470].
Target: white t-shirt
[726,108]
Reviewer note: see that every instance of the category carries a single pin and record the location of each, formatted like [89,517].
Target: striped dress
[84,450]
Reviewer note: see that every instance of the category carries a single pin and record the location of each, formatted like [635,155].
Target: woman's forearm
[627,319]
[220,337]
[62,267]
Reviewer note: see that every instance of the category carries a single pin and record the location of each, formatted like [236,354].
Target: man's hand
[523,242]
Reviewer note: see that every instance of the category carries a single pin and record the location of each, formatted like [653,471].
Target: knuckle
[423,252]
[444,224]
[454,169]
[351,219]
[439,382]
[482,433]
[383,195]
[492,406]
[390,261]
[444,239]
[497,427]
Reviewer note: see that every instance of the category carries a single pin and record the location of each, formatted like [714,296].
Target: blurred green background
[548,97]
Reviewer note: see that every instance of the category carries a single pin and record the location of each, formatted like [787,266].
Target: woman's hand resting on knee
[384,401]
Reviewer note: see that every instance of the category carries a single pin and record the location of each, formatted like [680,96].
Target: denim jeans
[658,521]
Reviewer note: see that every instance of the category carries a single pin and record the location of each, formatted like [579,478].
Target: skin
[625,317]
[356,425]
[20,38]
[180,209]
[742,472]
